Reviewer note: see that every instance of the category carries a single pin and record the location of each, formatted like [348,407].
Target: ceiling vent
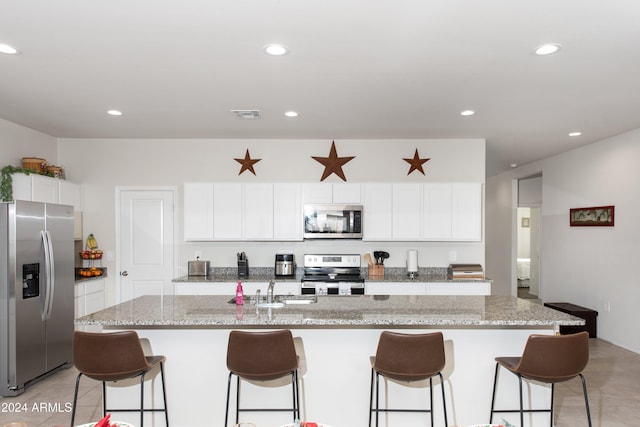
[247,114]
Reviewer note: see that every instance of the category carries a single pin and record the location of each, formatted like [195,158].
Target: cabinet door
[466,207]
[287,212]
[349,194]
[78,291]
[407,211]
[44,189]
[198,211]
[70,194]
[227,211]
[93,295]
[436,218]
[317,193]
[258,211]
[21,186]
[378,212]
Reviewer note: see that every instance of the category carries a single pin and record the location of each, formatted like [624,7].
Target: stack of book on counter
[465,271]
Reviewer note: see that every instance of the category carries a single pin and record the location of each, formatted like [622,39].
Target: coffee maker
[285,265]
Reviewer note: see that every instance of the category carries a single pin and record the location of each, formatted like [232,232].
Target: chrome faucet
[270,291]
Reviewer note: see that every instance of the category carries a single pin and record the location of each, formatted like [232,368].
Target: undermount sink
[297,299]
[278,300]
[270,304]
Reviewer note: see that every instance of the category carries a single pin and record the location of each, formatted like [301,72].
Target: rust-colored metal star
[247,163]
[416,163]
[333,163]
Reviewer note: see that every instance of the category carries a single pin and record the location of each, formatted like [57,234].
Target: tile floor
[612,375]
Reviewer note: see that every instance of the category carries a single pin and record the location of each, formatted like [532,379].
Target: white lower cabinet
[428,288]
[395,288]
[89,298]
[229,288]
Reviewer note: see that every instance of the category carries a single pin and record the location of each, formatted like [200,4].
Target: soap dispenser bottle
[239,294]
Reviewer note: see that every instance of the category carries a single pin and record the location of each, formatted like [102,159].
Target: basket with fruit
[90,272]
[92,251]
[92,254]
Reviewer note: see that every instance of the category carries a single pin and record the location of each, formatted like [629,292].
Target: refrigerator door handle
[52,274]
[49,277]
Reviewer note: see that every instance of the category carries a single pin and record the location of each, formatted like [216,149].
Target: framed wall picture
[598,216]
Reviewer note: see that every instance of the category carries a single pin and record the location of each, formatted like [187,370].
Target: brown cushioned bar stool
[548,359]
[408,358]
[114,356]
[262,356]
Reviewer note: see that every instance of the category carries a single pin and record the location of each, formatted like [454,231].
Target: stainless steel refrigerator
[36,292]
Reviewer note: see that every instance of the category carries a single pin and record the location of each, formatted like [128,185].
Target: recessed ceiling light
[276,49]
[575,134]
[9,50]
[291,114]
[513,165]
[114,113]
[547,49]
[467,113]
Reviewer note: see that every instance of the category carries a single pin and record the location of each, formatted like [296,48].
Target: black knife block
[243,268]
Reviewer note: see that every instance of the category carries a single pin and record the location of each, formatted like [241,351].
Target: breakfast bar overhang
[335,336]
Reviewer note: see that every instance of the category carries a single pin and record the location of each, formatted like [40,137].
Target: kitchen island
[334,337]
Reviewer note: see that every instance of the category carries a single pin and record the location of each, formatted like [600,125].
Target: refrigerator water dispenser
[30,280]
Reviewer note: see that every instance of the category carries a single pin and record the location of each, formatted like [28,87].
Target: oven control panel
[328,260]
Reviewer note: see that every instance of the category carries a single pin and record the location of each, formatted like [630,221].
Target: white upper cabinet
[44,189]
[422,212]
[453,211]
[227,211]
[348,194]
[466,206]
[400,211]
[198,211]
[317,193]
[258,212]
[436,211]
[40,188]
[407,211]
[70,194]
[378,211]
[287,212]
[321,193]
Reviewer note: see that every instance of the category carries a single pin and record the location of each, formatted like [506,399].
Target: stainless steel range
[328,274]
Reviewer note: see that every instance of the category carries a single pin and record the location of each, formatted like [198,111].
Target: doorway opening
[528,237]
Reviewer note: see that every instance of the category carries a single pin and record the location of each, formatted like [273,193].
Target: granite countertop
[264,274]
[353,311]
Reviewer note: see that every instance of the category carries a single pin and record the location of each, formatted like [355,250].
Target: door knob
[124,273]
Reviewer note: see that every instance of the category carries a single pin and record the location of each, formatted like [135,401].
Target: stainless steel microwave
[333,221]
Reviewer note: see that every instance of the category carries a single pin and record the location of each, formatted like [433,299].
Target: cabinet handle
[124,273]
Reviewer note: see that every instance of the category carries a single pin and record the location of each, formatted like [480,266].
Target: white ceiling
[360,69]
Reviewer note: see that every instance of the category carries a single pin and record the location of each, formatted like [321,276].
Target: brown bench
[587,314]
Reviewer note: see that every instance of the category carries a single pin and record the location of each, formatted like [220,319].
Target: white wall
[589,266]
[103,164]
[18,142]
[500,216]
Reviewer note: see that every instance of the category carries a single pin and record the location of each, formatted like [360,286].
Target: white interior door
[145,232]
